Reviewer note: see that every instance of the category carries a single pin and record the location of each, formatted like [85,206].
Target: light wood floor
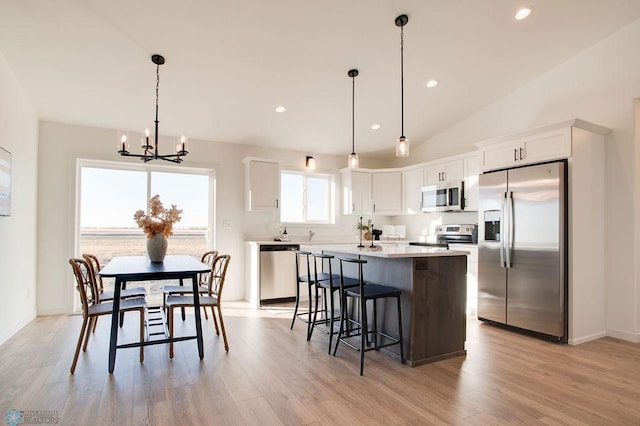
[271,375]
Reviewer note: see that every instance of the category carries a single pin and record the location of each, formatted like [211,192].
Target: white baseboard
[629,336]
[589,338]
[7,334]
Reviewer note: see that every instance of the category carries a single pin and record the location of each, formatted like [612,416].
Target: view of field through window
[110,197]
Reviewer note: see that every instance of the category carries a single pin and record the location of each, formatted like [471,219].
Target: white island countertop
[384,250]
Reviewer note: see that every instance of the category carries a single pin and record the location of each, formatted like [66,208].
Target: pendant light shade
[353,161]
[402,144]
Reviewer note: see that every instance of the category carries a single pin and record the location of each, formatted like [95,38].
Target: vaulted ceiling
[229,63]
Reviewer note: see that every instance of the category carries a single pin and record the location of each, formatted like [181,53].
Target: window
[110,193]
[306,198]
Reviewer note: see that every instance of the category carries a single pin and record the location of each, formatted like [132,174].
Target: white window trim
[332,199]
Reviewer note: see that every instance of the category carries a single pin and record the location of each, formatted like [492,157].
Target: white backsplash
[420,226]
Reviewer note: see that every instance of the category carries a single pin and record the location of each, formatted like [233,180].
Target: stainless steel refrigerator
[522,249]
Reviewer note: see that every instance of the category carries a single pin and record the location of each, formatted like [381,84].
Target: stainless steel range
[457,233]
[449,234]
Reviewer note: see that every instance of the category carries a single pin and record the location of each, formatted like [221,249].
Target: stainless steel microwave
[443,197]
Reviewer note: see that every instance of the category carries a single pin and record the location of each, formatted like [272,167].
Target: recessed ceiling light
[432,83]
[280,109]
[375,127]
[523,13]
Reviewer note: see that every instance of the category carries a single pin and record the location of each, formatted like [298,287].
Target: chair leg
[331,319]
[75,356]
[142,333]
[295,310]
[215,321]
[375,324]
[224,333]
[171,331]
[121,319]
[182,308]
[343,319]
[312,322]
[400,332]
[205,315]
[88,333]
[363,331]
[95,323]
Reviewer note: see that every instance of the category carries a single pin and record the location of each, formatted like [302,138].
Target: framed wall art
[5,182]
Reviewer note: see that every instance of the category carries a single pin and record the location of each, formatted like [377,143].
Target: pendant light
[402,144]
[353,161]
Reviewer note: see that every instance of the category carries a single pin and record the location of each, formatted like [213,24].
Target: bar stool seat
[363,293]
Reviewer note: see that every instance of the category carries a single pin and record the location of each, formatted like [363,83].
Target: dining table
[139,268]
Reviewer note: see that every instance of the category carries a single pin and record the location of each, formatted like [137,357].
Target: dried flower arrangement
[159,220]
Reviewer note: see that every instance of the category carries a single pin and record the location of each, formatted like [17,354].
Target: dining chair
[106,296]
[212,298]
[203,284]
[92,308]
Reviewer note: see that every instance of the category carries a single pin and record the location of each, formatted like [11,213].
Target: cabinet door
[356,192]
[471,173]
[412,183]
[386,191]
[452,171]
[546,146]
[264,186]
[500,156]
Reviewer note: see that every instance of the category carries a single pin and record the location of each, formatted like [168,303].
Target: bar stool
[309,280]
[364,293]
[328,283]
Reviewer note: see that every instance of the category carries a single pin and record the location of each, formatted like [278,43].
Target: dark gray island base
[434,294]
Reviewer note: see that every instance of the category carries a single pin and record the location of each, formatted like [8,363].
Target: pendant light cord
[402,79]
[353,114]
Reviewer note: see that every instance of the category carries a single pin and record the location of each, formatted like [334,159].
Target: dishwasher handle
[279,247]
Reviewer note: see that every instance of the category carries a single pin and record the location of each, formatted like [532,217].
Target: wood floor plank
[272,375]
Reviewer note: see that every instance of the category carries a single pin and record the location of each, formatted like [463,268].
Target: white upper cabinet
[446,172]
[535,148]
[356,192]
[471,173]
[386,192]
[412,183]
[262,185]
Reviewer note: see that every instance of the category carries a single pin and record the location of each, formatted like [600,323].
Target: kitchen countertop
[387,250]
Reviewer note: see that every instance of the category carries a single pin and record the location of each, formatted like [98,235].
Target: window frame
[211,233]
[331,200]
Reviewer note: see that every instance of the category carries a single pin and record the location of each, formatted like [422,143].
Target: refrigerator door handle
[502,211]
[509,239]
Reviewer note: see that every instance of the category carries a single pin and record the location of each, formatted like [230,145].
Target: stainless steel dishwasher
[277,272]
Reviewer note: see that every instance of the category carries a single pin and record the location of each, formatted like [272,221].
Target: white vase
[157,247]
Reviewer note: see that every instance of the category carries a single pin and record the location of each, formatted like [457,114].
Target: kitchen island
[433,284]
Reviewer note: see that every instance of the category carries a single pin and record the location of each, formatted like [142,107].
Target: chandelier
[151,151]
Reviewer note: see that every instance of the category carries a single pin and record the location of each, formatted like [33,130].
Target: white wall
[18,135]
[599,86]
[61,145]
